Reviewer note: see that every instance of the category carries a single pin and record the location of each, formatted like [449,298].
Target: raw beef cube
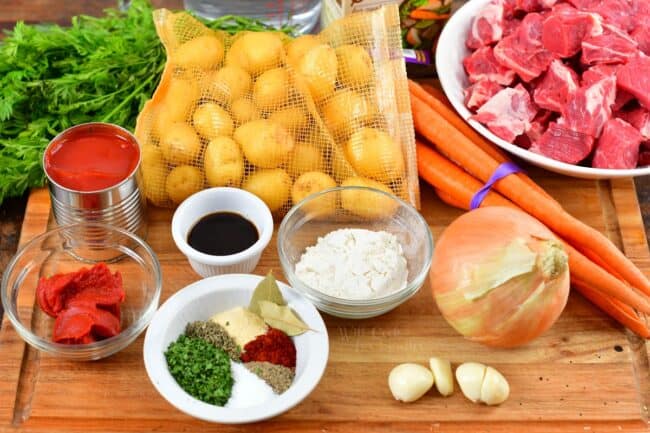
[558,84]
[565,29]
[487,27]
[618,147]
[597,73]
[590,107]
[610,47]
[508,114]
[634,77]
[640,7]
[639,118]
[641,32]
[644,158]
[539,125]
[510,26]
[481,65]
[479,93]
[585,4]
[535,5]
[617,12]
[563,144]
[523,51]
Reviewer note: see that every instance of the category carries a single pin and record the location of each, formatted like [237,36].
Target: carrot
[452,180]
[437,101]
[457,147]
[423,14]
[437,93]
[623,313]
[446,176]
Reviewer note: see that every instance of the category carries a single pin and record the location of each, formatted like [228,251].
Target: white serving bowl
[200,301]
[449,64]
[214,200]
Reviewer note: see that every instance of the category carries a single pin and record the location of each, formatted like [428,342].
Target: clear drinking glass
[303,14]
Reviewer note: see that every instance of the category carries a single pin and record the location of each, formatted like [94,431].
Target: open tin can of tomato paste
[93,173]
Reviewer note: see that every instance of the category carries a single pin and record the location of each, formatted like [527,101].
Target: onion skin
[513,313]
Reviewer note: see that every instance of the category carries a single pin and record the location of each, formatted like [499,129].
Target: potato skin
[354,66]
[346,111]
[297,48]
[256,52]
[227,84]
[272,186]
[243,111]
[176,104]
[201,52]
[265,144]
[211,121]
[318,67]
[271,89]
[305,157]
[292,118]
[311,183]
[182,182]
[154,178]
[374,154]
[180,144]
[223,162]
[367,204]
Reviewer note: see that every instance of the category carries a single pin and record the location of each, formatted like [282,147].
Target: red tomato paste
[91,160]
[86,304]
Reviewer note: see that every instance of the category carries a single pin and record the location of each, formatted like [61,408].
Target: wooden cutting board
[585,375]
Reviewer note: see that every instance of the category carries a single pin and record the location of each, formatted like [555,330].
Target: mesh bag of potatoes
[282,118]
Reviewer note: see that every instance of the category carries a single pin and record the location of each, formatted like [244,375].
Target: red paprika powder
[275,347]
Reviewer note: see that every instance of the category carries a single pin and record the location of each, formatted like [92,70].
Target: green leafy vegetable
[266,290]
[201,369]
[283,318]
[98,69]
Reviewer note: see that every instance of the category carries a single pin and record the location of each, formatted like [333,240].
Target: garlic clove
[409,382]
[442,375]
[495,388]
[470,377]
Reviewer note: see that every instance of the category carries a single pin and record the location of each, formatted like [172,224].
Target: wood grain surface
[577,377]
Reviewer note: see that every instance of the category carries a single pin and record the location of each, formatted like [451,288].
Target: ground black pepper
[276,376]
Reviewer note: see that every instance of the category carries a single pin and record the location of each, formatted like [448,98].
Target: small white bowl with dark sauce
[222,231]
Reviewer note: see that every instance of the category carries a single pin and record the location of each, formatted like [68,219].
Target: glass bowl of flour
[355,252]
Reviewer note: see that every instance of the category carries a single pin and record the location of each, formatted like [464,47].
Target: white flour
[354,264]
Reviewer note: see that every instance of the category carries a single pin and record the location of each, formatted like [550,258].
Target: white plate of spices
[236,349]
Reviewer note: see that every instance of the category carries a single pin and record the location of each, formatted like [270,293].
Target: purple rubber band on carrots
[503,170]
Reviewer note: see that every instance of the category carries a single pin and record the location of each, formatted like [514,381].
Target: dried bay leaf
[283,318]
[266,290]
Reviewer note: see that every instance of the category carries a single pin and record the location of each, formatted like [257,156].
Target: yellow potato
[151,155]
[182,182]
[318,68]
[211,121]
[346,111]
[373,153]
[201,52]
[227,84]
[243,111]
[265,143]
[180,144]
[256,52]
[367,204]
[223,162]
[154,177]
[305,157]
[292,118]
[311,183]
[354,66]
[272,186]
[299,46]
[271,89]
[176,104]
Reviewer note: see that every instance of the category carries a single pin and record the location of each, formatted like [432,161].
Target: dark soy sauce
[222,234]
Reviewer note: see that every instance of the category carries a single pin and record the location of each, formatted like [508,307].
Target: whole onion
[499,276]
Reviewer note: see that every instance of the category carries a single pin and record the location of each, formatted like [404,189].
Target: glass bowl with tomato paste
[83,291]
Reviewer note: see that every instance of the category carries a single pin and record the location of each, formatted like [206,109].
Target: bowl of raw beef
[563,84]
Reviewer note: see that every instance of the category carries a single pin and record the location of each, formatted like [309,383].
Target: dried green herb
[214,334]
[201,369]
[276,376]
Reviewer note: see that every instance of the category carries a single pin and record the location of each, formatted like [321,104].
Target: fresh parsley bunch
[98,69]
